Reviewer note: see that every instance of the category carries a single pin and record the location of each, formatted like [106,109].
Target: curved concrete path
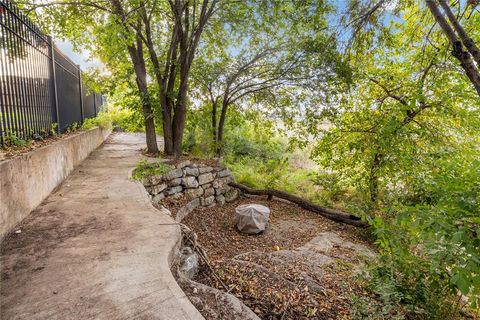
[95,248]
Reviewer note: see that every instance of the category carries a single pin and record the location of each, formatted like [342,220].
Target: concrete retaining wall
[28,179]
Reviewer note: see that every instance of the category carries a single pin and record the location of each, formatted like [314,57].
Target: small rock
[173,190]
[156,189]
[205,178]
[220,200]
[191,171]
[175,182]
[190,182]
[205,169]
[193,193]
[183,164]
[18,231]
[175,173]
[159,197]
[207,201]
[209,192]
[223,173]
[220,183]
[190,262]
[151,180]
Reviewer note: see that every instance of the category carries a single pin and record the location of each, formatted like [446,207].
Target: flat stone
[151,180]
[193,193]
[207,201]
[156,189]
[205,169]
[191,171]
[183,164]
[231,195]
[220,200]
[175,173]
[173,190]
[185,210]
[209,192]
[159,197]
[175,182]
[205,178]
[190,182]
[223,173]
[219,183]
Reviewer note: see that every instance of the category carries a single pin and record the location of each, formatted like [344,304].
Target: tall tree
[267,48]
[172,60]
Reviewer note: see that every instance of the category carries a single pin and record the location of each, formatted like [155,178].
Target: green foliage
[115,116]
[13,141]
[144,169]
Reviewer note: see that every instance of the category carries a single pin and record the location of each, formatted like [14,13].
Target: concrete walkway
[95,248]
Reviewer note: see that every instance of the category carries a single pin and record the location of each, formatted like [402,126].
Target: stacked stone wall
[201,184]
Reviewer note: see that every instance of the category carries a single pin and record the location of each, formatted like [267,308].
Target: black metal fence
[41,89]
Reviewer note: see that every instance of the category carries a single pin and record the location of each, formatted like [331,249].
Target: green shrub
[430,252]
[114,117]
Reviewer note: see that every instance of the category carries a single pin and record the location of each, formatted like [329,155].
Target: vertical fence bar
[94,103]
[53,81]
[82,114]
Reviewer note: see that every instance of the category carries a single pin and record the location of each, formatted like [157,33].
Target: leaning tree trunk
[463,56]
[466,40]
[331,214]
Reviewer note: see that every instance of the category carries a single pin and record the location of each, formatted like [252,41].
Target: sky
[82,58]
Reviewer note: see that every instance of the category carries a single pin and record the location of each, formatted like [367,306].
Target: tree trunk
[373,179]
[334,215]
[138,61]
[166,123]
[463,56]
[180,112]
[141,79]
[466,40]
[221,125]
[214,124]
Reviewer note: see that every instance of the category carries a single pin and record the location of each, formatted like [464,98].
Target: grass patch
[145,169]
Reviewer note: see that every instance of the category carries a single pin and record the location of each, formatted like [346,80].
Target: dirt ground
[14,151]
[290,227]
[271,288]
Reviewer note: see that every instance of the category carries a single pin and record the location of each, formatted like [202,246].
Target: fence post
[94,103]
[54,83]
[82,114]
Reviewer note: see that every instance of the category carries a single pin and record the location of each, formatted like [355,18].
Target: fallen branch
[334,215]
